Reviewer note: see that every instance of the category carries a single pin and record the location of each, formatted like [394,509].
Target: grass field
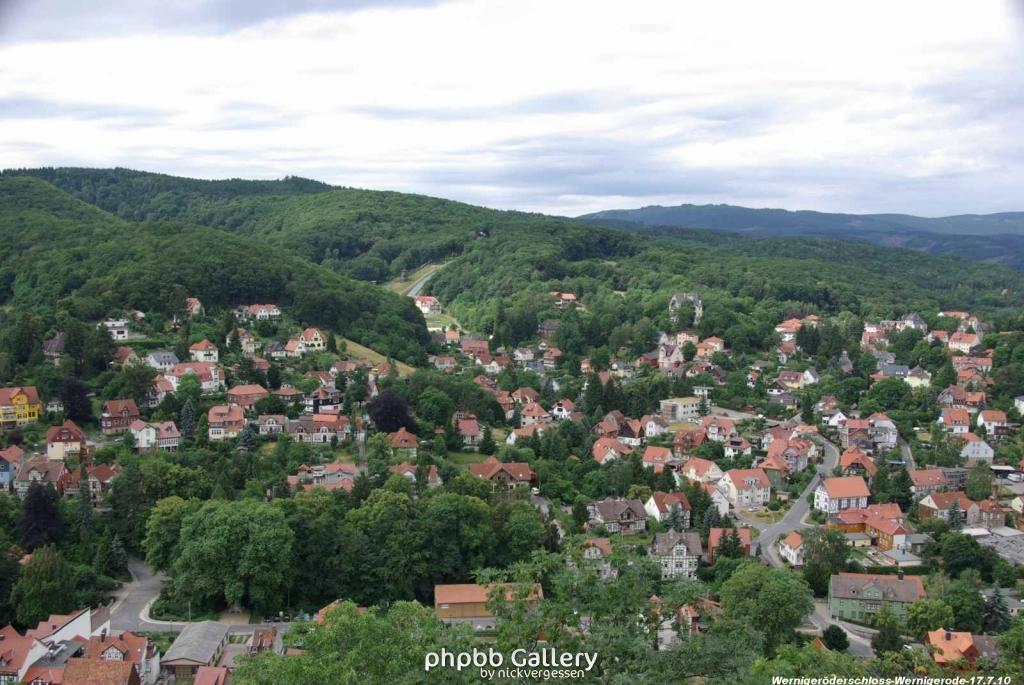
[464,459]
[361,351]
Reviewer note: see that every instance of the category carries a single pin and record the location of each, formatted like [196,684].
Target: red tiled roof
[7,394]
[491,467]
[402,439]
[845,487]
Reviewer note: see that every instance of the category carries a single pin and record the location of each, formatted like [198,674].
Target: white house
[660,506]
[839,494]
[746,487]
[116,328]
[162,435]
[791,548]
[977,450]
[993,420]
[204,351]
[701,470]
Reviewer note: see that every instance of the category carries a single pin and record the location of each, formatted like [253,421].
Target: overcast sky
[558,106]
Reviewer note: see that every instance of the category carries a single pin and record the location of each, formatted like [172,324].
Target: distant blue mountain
[997,238]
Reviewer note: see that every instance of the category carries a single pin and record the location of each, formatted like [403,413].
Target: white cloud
[553,106]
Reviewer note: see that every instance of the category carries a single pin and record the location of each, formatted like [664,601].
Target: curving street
[860,637]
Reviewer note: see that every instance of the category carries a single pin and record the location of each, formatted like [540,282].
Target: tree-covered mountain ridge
[997,238]
[497,260]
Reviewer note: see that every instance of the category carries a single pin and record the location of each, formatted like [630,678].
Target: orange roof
[491,467]
[97,672]
[950,646]
[845,487]
[403,439]
[602,445]
[854,456]
[7,395]
[657,455]
[924,478]
[602,544]
[203,345]
[664,501]
[473,593]
[793,540]
[745,479]
[715,536]
[211,675]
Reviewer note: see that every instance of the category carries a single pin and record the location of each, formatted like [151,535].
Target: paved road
[908,456]
[793,520]
[131,606]
[417,287]
[860,642]
[130,610]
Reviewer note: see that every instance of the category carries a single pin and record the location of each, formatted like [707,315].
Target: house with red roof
[19,406]
[155,435]
[701,470]
[955,421]
[204,351]
[11,459]
[117,416]
[225,421]
[715,536]
[954,649]
[658,458]
[427,304]
[408,470]
[313,340]
[470,431]
[41,470]
[128,647]
[99,479]
[210,375]
[605,450]
[532,414]
[746,487]
[836,494]
[246,396]
[660,505]
[939,505]
[64,441]
[926,481]
[854,462]
[995,423]
[508,475]
[791,548]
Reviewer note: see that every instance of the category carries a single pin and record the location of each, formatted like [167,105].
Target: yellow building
[19,406]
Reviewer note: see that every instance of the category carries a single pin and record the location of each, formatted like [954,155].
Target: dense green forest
[500,263]
[59,253]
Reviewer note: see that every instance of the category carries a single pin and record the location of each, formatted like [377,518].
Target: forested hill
[371,235]
[995,238]
[502,264]
[61,253]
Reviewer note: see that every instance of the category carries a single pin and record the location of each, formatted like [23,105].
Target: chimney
[899,575]
[949,635]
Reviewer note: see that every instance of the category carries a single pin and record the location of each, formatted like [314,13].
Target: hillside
[371,235]
[502,264]
[60,252]
[995,238]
